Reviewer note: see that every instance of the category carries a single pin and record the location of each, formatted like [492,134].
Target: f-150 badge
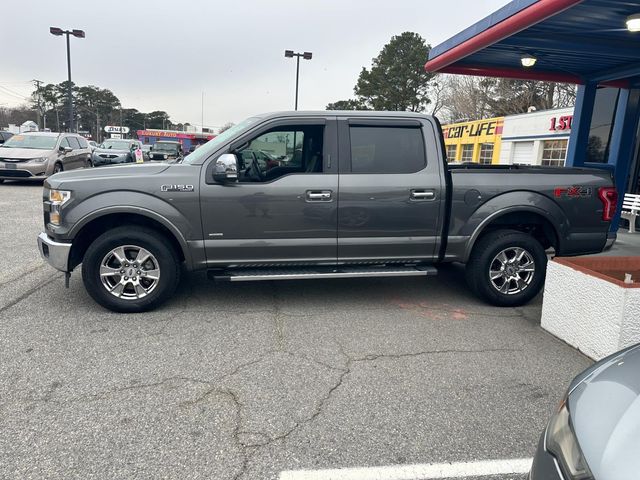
[176,188]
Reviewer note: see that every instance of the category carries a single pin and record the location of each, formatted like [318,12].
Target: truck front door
[282,210]
[389,207]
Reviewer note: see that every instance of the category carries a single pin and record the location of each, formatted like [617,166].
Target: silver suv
[36,155]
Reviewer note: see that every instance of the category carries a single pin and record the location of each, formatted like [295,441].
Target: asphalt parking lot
[247,381]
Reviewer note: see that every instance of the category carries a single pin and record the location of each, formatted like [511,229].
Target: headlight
[59,197]
[166,156]
[562,443]
[39,159]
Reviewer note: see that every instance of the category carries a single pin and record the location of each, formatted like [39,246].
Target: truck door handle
[318,195]
[422,194]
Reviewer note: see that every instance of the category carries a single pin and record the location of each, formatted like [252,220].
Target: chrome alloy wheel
[512,270]
[129,272]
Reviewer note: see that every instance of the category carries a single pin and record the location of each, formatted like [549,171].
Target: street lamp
[78,34]
[306,56]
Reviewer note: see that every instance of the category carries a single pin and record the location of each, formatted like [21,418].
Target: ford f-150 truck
[352,194]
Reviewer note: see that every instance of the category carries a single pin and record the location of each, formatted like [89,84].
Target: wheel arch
[524,218]
[91,227]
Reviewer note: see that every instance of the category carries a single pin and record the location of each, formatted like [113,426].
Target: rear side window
[73,141]
[83,142]
[387,149]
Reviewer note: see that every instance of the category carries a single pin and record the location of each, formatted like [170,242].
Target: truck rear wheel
[507,268]
[130,269]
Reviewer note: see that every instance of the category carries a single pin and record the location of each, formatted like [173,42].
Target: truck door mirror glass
[226,168]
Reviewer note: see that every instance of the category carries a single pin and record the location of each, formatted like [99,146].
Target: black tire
[57,168]
[89,164]
[516,283]
[1,181]
[163,256]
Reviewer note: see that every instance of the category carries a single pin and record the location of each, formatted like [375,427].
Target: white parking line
[425,471]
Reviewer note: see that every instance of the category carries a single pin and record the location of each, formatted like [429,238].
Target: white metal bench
[630,209]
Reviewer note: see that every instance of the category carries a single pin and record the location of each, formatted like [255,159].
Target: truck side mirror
[226,168]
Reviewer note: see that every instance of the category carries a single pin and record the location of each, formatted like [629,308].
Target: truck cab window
[387,149]
[282,151]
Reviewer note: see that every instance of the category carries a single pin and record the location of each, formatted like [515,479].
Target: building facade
[187,139]
[537,138]
[477,141]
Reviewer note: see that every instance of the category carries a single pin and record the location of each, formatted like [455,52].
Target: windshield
[115,144]
[208,148]
[41,142]
[165,147]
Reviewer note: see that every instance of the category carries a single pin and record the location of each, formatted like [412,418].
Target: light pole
[78,34]
[306,56]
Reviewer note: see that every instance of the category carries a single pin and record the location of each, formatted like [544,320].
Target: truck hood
[605,412]
[104,174]
[23,153]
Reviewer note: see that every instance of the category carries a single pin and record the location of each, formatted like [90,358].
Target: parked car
[115,151]
[165,150]
[363,194]
[146,148]
[595,433]
[4,136]
[92,145]
[36,155]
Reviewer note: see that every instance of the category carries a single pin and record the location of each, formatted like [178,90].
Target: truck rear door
[390,189]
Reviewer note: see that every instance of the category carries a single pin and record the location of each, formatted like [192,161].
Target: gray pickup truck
[343,194]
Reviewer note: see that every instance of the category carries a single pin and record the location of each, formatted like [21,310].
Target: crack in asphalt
[29,292]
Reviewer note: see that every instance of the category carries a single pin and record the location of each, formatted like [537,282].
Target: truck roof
[342,113]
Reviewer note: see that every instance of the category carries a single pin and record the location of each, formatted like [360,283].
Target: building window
[554,153]
[467,153]
[486,153]
[451,152]
[604,109]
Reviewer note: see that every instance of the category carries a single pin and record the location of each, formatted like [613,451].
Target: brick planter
[588,305]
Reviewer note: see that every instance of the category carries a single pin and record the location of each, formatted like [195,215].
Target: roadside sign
[139,156]
[116,129]
[116,135]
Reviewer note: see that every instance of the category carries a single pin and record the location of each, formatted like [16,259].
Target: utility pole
[79,34]
[121,134]
[202,119]
[97,126]
[38,109]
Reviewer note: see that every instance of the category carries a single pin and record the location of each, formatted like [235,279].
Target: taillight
[609,198]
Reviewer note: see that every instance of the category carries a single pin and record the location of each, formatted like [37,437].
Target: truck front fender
[128,202]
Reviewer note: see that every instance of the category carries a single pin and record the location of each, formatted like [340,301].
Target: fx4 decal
[573,192]
[176,188]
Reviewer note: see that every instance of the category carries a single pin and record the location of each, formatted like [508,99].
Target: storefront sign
[115,129]
[475,129]
[170,134]
[562,123]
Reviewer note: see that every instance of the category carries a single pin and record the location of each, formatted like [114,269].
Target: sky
[162,55]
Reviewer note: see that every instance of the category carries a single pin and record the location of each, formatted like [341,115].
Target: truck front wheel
[507,268]
[130,269]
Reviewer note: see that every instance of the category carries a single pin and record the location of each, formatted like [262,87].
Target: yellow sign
[475,141]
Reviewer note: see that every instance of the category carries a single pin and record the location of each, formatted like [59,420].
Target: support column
[622,144]
[577,152]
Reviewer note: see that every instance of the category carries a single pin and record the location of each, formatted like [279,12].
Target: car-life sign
[116,129]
